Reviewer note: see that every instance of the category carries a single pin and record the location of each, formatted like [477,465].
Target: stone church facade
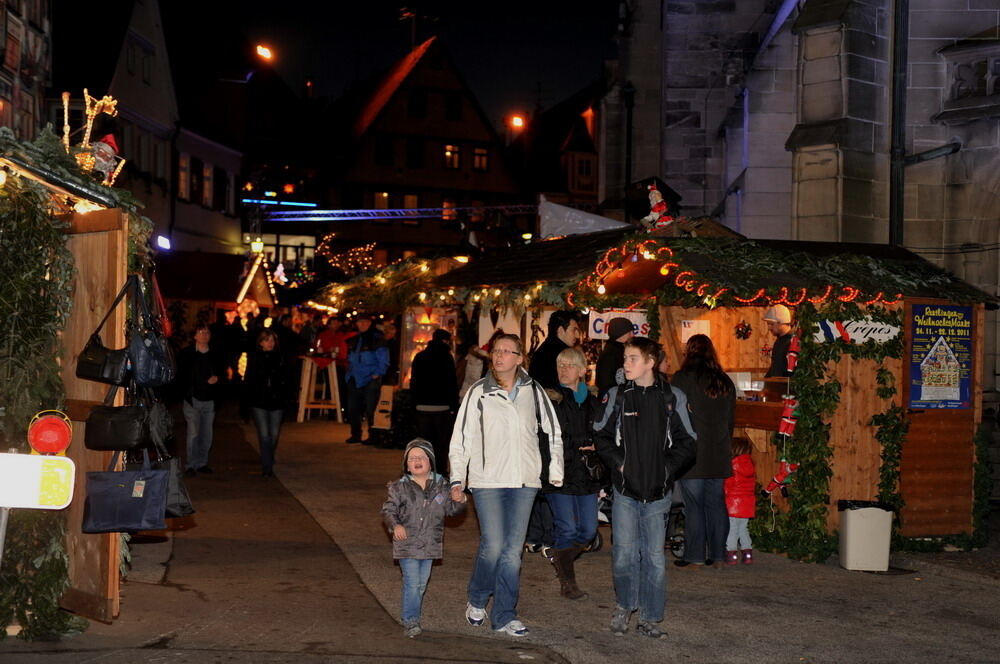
[774,116]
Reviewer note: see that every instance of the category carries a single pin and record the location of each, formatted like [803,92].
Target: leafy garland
[36,296]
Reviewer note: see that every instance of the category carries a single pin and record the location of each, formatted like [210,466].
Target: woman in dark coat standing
[264,392]
[574,505]
[712,401]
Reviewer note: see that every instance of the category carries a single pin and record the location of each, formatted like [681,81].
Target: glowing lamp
[257,246]
[517,121]
[50,432]
[288,189]
[264,52]
[3,178]
[601,290]
[163,242]
[460,259]
[526,236]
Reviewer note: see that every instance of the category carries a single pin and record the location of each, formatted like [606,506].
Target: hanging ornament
[743,330]
[789,415]
[782,478]
[657,218]
[792,357]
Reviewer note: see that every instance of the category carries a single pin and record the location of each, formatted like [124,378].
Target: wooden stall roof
[565,259]
[197,275]
[745,266]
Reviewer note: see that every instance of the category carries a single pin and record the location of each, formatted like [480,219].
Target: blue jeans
[415,575]
[739,534]
[706,521]
[268,423]
[637,555]
[362,400]
[574,518]
[503,521]
[200,416]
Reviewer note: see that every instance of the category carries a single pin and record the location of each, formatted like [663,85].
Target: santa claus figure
[657,217]
[104,151]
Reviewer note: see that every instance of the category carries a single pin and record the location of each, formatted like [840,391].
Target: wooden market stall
[873,319]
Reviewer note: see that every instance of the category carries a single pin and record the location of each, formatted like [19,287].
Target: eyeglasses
[503,352]
[568,366]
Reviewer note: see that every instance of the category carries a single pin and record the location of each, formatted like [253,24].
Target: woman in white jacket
[495,451]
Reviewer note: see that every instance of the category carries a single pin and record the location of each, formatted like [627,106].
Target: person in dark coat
[779,323]
[564,332]
[711,399]
[574,505]
[200,375]
[264,392]
[620,330]
[434,392]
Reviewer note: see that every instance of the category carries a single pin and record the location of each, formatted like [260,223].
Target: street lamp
[265,52]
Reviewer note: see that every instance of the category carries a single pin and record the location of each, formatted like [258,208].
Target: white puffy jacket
[495,442]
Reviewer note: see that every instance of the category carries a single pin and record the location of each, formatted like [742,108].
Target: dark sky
[504,50]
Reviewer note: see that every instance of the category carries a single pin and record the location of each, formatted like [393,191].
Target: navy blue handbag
[128,500]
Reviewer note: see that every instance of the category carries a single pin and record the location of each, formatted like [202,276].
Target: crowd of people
[530,438]
[535,445]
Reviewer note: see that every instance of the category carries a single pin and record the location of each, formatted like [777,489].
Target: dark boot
[563,562]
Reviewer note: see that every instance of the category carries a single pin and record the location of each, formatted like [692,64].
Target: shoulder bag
[98,362]
[127,500]
[148,349]
[117,428]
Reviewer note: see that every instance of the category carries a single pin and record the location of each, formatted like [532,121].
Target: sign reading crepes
[30,481]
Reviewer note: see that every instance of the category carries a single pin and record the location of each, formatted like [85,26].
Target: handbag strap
[117,455]
[114,305]
[143,316]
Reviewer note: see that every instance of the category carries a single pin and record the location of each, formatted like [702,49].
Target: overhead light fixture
[257,246]
[163,242]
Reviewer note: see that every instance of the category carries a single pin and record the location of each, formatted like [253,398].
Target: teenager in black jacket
[574,505]
[264,392]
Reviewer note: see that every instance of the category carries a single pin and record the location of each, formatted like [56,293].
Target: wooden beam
[96,221]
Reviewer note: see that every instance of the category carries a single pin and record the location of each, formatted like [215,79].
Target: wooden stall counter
[764,415]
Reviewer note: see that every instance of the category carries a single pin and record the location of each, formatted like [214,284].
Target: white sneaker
[514,628]
[474,616]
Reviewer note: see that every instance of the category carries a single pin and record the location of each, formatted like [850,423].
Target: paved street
[298,569]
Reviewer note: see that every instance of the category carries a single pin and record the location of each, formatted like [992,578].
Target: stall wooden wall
[99,243]
[856,452]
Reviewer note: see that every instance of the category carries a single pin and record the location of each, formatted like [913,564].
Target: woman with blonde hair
[505,444]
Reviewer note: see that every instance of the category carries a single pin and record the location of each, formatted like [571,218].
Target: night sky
[504,50]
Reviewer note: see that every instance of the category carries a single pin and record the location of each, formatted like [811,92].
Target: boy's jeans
[415,575]
[637,555]
[199,415]
[268,423]
[503,521]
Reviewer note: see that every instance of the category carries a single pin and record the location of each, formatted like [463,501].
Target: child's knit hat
[422,444]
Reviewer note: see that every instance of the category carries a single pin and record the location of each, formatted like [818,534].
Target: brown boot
[563,562]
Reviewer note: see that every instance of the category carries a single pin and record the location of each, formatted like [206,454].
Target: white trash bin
[865,535]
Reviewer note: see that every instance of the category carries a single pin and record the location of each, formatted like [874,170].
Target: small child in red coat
[741,501]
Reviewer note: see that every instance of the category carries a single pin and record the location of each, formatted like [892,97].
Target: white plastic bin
[865,535]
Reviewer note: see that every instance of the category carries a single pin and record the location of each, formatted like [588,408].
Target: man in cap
[779,323]
[612,358]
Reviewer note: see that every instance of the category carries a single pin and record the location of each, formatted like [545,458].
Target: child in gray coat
[414,514]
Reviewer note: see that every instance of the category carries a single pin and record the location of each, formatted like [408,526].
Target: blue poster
[941,356]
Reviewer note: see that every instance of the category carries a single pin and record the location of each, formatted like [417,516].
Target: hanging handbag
[116,428]
[125,501]
[152,358]
[178,503]
[596,469]
[98,362]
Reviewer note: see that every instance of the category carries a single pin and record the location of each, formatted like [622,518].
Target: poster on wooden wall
[941,356]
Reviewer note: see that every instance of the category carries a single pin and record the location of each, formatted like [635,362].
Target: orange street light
[517,121]
[264,52]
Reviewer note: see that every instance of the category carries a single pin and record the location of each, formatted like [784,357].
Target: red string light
[820,299]
[759,295]
[850,294]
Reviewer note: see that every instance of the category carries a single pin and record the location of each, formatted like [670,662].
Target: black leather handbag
[152,358]
[127,500]
[117,428]
[99,363]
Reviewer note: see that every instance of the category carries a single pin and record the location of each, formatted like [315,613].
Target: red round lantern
[50,432]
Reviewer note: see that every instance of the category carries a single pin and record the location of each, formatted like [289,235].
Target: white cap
[779,313]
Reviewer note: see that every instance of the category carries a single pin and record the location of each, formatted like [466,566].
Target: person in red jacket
[741,501]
